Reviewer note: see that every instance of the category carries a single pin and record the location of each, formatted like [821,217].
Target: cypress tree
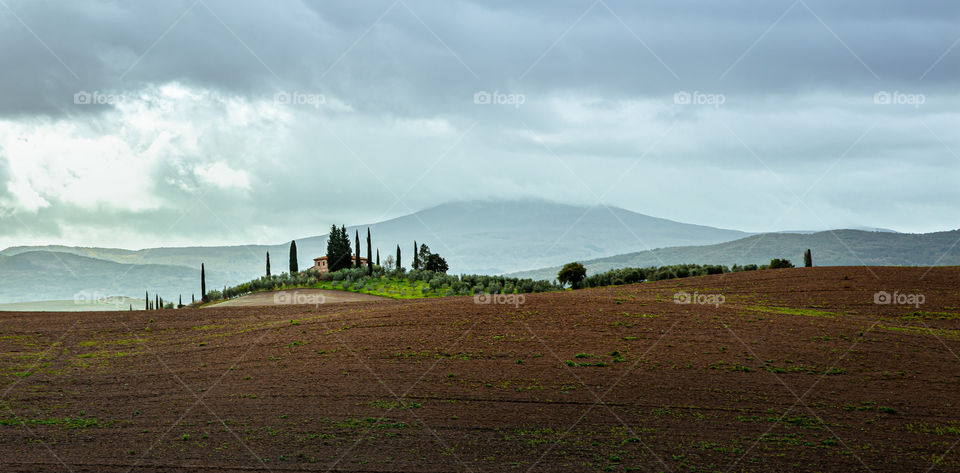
[131,307]
[369,254]
[181,302]
[398,257]
[268,264]
[193,300]
[356,234]
[378,256]
[203,284]
[416,260]
[293,257]
[146,297]
[808,258]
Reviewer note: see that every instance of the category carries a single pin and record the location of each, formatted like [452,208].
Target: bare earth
[797,370]
[297,296]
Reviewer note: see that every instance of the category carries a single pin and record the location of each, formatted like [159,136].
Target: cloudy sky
[136,124]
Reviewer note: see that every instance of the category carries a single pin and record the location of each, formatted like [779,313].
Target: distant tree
[146,296]
[388,263]
[369,254]
[436,264]
[356,234]
[398,258]
[203,284]
[808,258]
[131,307]
[268,264]
[294,268]
[778,263]
[423,255]
[573,274]
[416,261]
[338,249]
[193,299]
[378,256]
[180,304]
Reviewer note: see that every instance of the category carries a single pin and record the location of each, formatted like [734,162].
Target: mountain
[830,248]
[48,275]
[474,237]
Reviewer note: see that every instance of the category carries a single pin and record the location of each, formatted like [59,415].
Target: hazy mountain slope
[480,237]
[833,248]
[47,275]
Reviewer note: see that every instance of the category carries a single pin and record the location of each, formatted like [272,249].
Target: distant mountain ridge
[829,248]
[48,275]
[474,237]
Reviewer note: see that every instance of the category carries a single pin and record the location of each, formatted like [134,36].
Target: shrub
[778,263]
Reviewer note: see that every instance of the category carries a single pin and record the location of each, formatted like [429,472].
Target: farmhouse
[320,264]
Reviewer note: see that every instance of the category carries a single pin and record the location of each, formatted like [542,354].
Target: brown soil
[798,369]
[296,296]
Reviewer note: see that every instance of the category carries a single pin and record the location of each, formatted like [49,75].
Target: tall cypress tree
[146,297]
[369,254]
[808,258]
[293,257]
[398,257]
[416,260]
[181,302]
[357,236]
[268,264]
[203,284]
[378,256]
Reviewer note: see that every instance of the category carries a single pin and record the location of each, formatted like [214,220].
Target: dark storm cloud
[402,63]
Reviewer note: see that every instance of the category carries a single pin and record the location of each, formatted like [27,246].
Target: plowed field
[778,370]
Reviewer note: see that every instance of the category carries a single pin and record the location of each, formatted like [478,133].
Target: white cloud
[222,176]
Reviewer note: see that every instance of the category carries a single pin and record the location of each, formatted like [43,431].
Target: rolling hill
[475,237]
[48,275]
[830,248]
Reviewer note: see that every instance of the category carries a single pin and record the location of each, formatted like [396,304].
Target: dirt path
[297,296]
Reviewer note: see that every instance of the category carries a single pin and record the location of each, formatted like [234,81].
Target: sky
[139,124]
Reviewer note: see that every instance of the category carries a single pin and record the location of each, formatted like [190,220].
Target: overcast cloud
[212,122]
